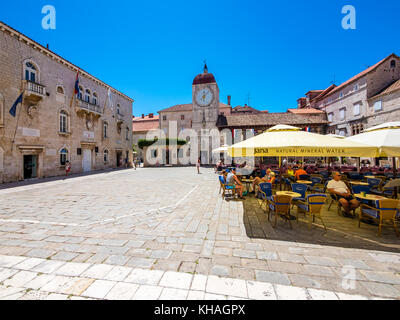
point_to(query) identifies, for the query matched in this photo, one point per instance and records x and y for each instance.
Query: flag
(77, 84)
(13, 110)
(308, 129)
(110, 102)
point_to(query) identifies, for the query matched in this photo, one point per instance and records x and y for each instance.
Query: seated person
(269, 178)
(231, 179)
(290, 173)
(299, 172)
(218, 166)
(340, 189)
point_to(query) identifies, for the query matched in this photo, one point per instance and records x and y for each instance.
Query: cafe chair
(265, 191)
(299, 188)
(280, 206)
(386, 210)
(305, 177)
(375, 184)
(313, 207)
(359, 189)
(226, 188)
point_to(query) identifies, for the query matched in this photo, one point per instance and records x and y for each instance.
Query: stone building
(207, 113)
(52, 125)
(357, 104)
(140, 127)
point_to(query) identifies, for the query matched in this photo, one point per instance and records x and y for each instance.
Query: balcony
(88, 108)
(119, 117)
(33, 92)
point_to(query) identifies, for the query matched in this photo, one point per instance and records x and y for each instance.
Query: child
(67, 168)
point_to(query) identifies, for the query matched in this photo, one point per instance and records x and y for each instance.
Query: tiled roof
(325, 92)
(245, 109)
(271, 119)
(305, 111)
(187, 107)
(146, 124)
(146, 118)
(360, 75)
(178, 108)
(391, 88)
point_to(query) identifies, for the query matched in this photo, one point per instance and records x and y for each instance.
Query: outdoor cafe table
(369, 197)
(247, 182)
(288, 193)
(358, 183)
(303, 182)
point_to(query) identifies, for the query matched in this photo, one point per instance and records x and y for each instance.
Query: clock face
(204, 97)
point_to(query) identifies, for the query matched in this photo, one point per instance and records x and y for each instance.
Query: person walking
(67, 168)
(198, 165)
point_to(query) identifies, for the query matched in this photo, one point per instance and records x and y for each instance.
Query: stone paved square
(160, 233)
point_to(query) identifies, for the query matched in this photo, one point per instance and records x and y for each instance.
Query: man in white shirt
(340, 189)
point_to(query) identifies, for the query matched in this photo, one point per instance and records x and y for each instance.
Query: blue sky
(273, 50)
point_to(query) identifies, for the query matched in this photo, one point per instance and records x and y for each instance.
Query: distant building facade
(207, 113)
(140, 127)
(367, 99)
(92, 130)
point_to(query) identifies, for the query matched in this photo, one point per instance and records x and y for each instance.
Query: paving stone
(244, 254)
(40, 253)
(6, 273)
(272, 277)
(40, 281)
(291, 293)
(199, 282)
(222, 271)
(322, 294)
(20, 279)
(118, 273)
(72, 269)
(173, 294)
(321, 261)
(188, 267)
(140, 262)
(226, 286)
(265, 255)
(122, 291)
(195, 295)
(160, 254)
(97, 271)
(99, 289)
(382, 289)
(260, 290)
(140, 276)
(48, 266)
(146, 292)
(385, 277)
(176, 280)
(28, 264)
(117, 260)
(64, 256)
(10, 261)
(345, 296)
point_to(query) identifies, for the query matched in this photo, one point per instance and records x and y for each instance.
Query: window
(356, 87)
(342, 132)
(378, 105)
(182, 117)
(127, 133)
(393, 64)
(330, 117)
(30, 72)
(342, 113)
(356, 109)
(94, 98)
(63, 156)
(341, 95)
(80, 94)
(87, 95)
(164, 118)
(105, 155)
(63, 122)
(118, 109)
(60, 90)
(105, 130)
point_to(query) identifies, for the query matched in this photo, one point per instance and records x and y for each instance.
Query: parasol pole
(395, 175)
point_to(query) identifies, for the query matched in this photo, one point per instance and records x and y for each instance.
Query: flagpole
(16, 127)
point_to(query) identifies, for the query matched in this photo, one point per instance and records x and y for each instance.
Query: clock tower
(205, 100)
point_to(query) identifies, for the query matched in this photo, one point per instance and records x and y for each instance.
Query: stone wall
(37, 124)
